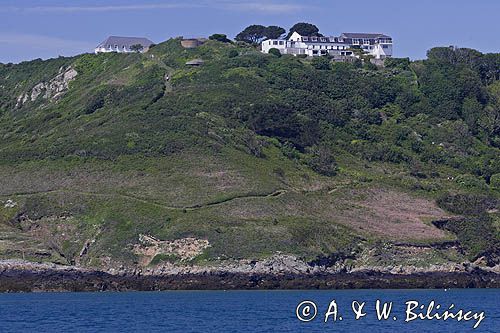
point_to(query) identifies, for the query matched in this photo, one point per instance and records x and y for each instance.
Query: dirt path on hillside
(276, 193)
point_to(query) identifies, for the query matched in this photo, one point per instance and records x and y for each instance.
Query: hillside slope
(138, 160)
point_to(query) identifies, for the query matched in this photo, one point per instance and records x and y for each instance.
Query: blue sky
(47, 28)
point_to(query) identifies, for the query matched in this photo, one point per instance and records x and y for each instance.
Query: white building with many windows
(123, 45)
(377, 45)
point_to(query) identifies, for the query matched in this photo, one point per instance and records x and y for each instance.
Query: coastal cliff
(275, 273)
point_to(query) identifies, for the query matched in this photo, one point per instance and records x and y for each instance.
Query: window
(385, 46)
(275, 43)
(281, 42)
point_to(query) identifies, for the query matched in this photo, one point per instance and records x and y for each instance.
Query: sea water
(252, 311)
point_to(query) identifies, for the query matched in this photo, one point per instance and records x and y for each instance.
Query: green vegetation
(256, 153)
(256, 33)
(275, 52)
(220, 37)
(475, 230)
(136, 48)
(304, 29)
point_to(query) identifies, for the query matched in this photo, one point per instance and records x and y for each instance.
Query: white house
(123, 44)
(378, 45)
(311, 46)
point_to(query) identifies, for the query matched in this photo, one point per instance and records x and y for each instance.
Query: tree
(255, 34)
(252, 34)
(471, 111)
(305, 29)
(490, 123)
(454, 55)
(275, 52)
(488, 67)
(136, 48)
(274, 32)
(220, 37)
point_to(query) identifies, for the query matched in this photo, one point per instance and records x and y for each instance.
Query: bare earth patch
(184, 249)
(384, 213)
(393, 215)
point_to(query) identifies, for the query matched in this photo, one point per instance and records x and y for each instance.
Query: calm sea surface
(237, 311)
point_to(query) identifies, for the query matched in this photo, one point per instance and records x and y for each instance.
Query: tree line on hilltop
(255, 33)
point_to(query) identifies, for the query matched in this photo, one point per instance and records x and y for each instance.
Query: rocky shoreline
(23, 276)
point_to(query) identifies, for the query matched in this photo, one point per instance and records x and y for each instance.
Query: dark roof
(126, 41)
(362, 35)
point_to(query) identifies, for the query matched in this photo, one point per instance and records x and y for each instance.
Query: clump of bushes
(321, 63)
(495, 181)
(477, 236)
(466, 204)
(471, 182)
(275, 52)
(322, 161)
(475, 231)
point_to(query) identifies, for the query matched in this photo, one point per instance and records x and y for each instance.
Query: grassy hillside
(254, 153)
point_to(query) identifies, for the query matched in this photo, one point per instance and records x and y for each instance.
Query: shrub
(471, 182)
(275, 52)
(466, 204)
(476, 235)
(233, 53)
(95, 103)
(322, 161)
(220, 37)
(369, 66)
(400, 63)
(321, 63)
(495, 181)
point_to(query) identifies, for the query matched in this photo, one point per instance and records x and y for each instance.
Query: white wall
(273, 44)
(295, 46)
(379, 52)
